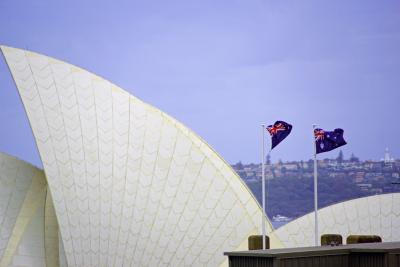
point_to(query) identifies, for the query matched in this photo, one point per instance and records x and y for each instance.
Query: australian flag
(279, 131)
(326, 141)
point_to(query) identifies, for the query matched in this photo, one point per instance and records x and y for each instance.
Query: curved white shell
(131, 185)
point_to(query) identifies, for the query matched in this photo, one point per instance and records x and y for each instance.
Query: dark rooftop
(360, 255)
(366, 247)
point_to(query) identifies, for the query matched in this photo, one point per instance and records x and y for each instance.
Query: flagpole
(315, 190)
(263, 185)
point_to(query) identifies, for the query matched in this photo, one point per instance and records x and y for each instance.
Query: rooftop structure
(355, 255)
(374, 215)
(131, 185)
(28, 225)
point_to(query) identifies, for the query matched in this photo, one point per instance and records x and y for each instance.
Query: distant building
(359, 178)
(387, 158)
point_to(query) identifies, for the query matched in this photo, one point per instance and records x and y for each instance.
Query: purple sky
(224, 67)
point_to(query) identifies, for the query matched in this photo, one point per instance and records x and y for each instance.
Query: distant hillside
(290, 184)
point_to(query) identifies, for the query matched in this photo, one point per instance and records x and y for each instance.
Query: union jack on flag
(278, 131)
(319, 134)
(274, 129)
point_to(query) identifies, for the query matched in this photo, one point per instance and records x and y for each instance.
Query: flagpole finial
(314, 125)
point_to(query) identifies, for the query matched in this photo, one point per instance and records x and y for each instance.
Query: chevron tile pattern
(25, 223)
(30, 250)
(131, 186)
(51, 240)
(15, 181)
(374, 215)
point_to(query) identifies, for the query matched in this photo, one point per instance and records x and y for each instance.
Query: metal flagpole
(263, 185)
(315, 190)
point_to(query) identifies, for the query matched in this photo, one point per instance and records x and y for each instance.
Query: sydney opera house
(125, 184)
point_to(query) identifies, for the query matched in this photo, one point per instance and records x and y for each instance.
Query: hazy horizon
(223, 68)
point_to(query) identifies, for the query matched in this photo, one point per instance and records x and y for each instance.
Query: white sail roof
(28, 226)
(131, 185)
(374, 215)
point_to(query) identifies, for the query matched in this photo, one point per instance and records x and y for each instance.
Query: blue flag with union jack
(326, 141)
(279, 131)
